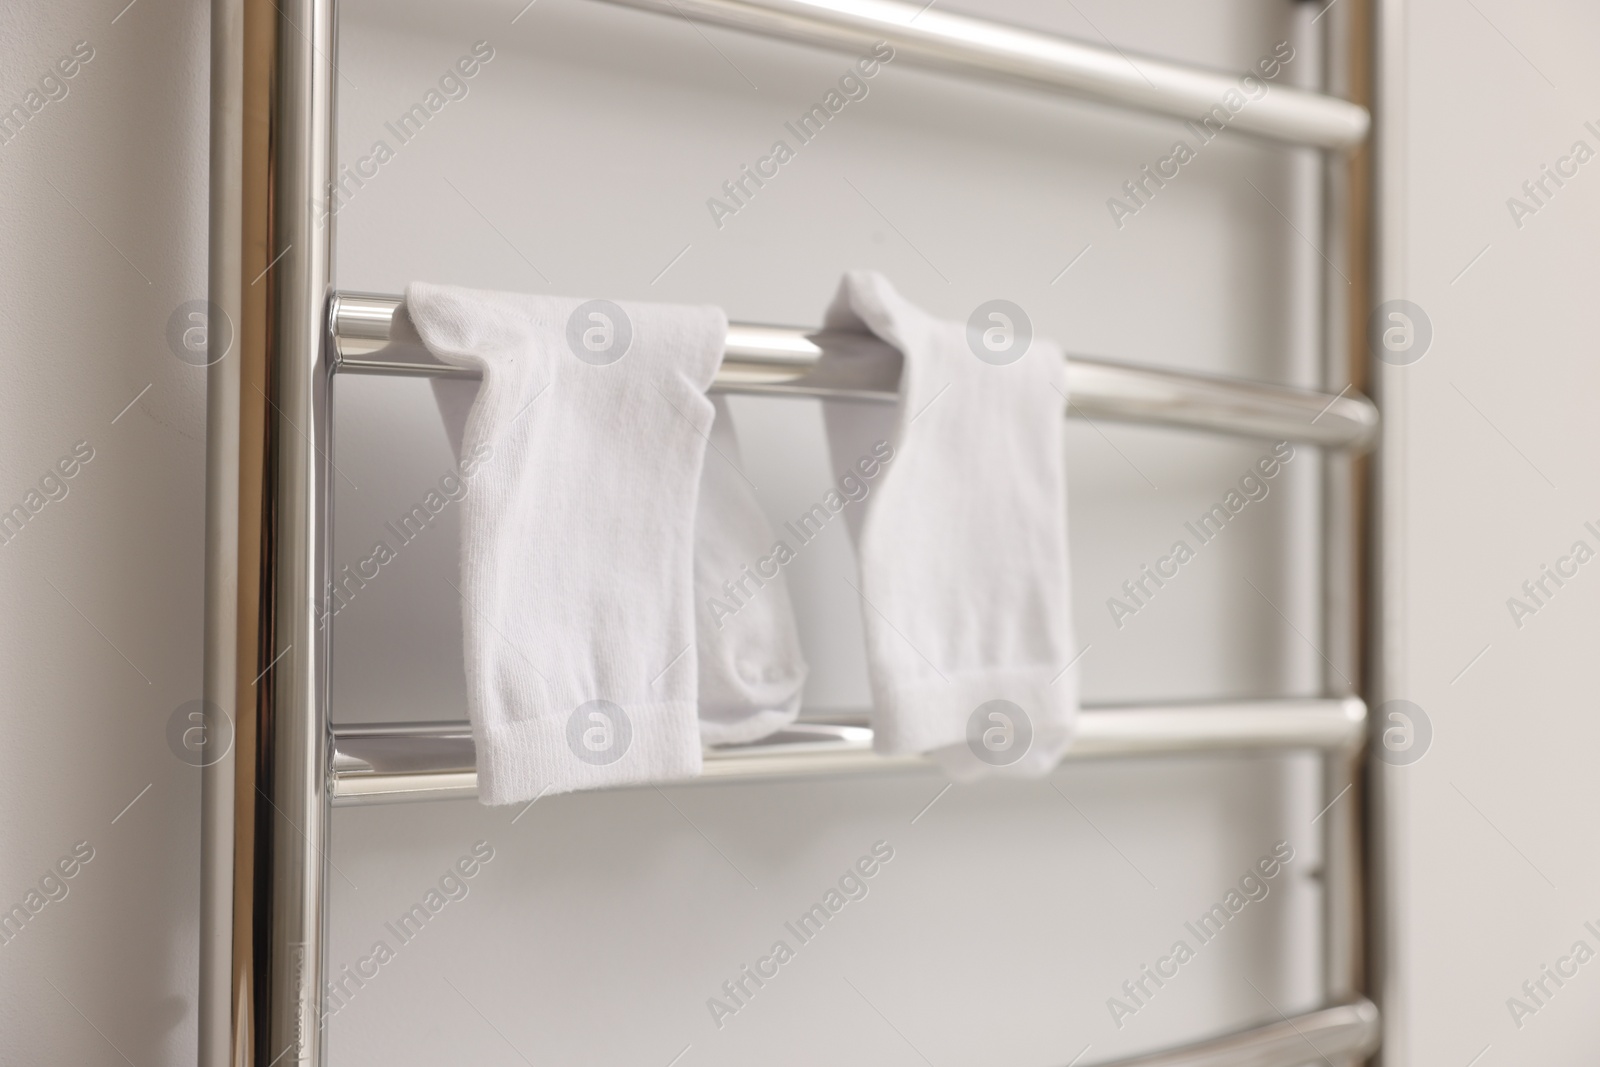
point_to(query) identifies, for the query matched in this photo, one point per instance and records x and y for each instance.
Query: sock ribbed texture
(751, 666)
(962, 547)
(577, 536)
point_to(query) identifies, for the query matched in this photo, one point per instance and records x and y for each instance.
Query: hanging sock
(587, 439)
(962, 545)
(751, 667)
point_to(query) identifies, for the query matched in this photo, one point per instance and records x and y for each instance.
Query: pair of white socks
(607, 512)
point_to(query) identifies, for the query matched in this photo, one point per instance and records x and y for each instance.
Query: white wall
(1007, 918)
(1494, 869)
(103, 197)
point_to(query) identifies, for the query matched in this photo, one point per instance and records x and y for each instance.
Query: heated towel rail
(797, 362)
(268, 798)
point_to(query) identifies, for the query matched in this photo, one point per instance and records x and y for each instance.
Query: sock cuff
(543, 756)
(923, 714)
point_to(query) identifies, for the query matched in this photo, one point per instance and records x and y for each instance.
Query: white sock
(963, 544)
(577, 532)
(751, 667)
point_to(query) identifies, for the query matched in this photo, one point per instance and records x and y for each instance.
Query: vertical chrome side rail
(266, 804)
(1347, 37)
(222, 530)
(1388, 831)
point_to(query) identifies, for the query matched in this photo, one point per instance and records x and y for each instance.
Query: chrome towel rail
(266, 815)
(793, 361)
(923, 34)
(377, 763)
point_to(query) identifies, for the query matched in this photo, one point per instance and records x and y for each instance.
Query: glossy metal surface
(219, 673)
(386, 762)
(1344, 238)
(1343, 1031)
(1390, 833)
(793, 361)
(266, 805)
(927, 36)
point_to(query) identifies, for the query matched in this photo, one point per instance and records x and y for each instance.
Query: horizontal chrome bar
(385, 762)
(798, 362)
(1341, 1033)
(929, 37)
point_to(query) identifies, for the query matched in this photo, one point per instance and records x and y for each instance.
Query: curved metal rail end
(1336, 1034)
